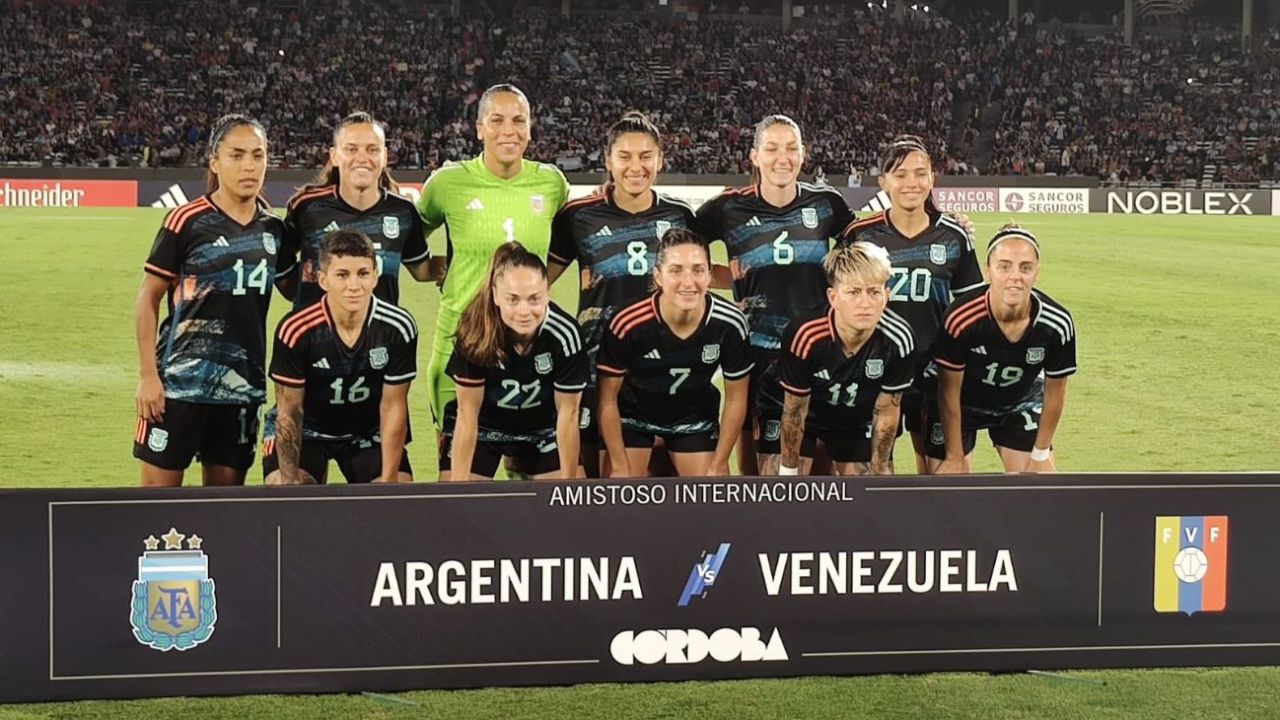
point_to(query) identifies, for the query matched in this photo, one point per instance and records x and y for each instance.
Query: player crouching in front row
(997, 344)
(520, 370)
(342, 368)
(841, 374)
(656, 365)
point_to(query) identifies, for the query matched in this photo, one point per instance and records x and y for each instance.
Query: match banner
(16, 193)
(139, 593)
(1182, 202)
(1070, 201)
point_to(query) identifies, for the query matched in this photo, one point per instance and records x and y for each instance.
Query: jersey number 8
(637, 257)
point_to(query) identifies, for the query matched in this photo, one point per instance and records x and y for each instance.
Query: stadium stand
(105, 85)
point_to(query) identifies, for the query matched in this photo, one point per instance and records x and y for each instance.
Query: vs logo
(704, 574)
(1191, 564)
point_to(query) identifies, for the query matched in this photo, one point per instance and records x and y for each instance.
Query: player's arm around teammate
(1004, 356)
(202, 372)
(520, 370)
(342, 368)
(854, 360)
(657, 364)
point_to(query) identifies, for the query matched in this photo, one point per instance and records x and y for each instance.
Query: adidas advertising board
(125, 594)
(1134, 201)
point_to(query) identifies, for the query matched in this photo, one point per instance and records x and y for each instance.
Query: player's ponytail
(217, 133)
(329, 174)
(632, 122)
(482, 336)
(758, 138)
(896, 154)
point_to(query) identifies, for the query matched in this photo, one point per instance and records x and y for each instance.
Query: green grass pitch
(1178, 339)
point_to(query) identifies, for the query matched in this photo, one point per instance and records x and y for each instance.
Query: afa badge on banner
(1191, 563)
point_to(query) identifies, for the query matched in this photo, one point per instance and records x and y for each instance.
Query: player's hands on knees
(957, 466)
(1042, 466)
(718, 469)
(150, 399)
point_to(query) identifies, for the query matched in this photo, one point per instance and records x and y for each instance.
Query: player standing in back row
(776, 232)
(1004, 356)
(933, 262)
(355, 191)
(483, 202)
(613, 235)
(204, 380)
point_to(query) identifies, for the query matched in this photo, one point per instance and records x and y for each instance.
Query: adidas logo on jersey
(322, 363)
(475, 204)
(822, 374)
(653, 355)
(753, 222)
(980, 350)
(333, 225)
(221, 242)
(605, 231)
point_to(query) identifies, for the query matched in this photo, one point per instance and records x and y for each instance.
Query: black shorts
(916, 408)
(755, 386)
(587, 423)
(360, 460)
(681, 443)
(215, 434)
(1016, 430)
(843, 446)
(534, 456)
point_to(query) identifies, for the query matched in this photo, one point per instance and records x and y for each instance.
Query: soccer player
(613, 235)
(933, 262)
(520, 370)
(841, 374)
(483, 202)
(355, 191)
(342, 368)
(776, 232)
(657, 362)
(1004, 355)
(203, 380)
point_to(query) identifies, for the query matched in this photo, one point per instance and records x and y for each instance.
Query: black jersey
(519, 394)
(344, 384)
(843, 388)
(929, 271)
(616, 253)
(212, 346)
(1002, 377)
(668, 387)
(775, 253)
(393, 224)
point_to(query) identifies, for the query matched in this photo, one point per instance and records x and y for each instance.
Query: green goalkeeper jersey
(480, 211)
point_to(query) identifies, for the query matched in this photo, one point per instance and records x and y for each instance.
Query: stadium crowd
(106, 85)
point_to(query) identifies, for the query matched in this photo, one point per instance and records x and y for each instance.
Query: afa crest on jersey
(378, 358)
(938, 254)
(710, 353)
(809, 216)
(536, 204)
(662, 227)
(772, 429)
(174, 606)
(269, 243)
(1035, 355)
(391, 227)
(875, 368)
(542, 363)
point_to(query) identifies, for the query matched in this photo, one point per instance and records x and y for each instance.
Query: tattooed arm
(794, 410)
(884, 430)
(289, 433)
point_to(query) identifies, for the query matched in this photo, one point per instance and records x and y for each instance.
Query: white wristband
(1041, 454)
(784, 470)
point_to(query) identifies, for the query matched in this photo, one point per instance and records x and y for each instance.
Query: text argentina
(506, 580)
(887, 571)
